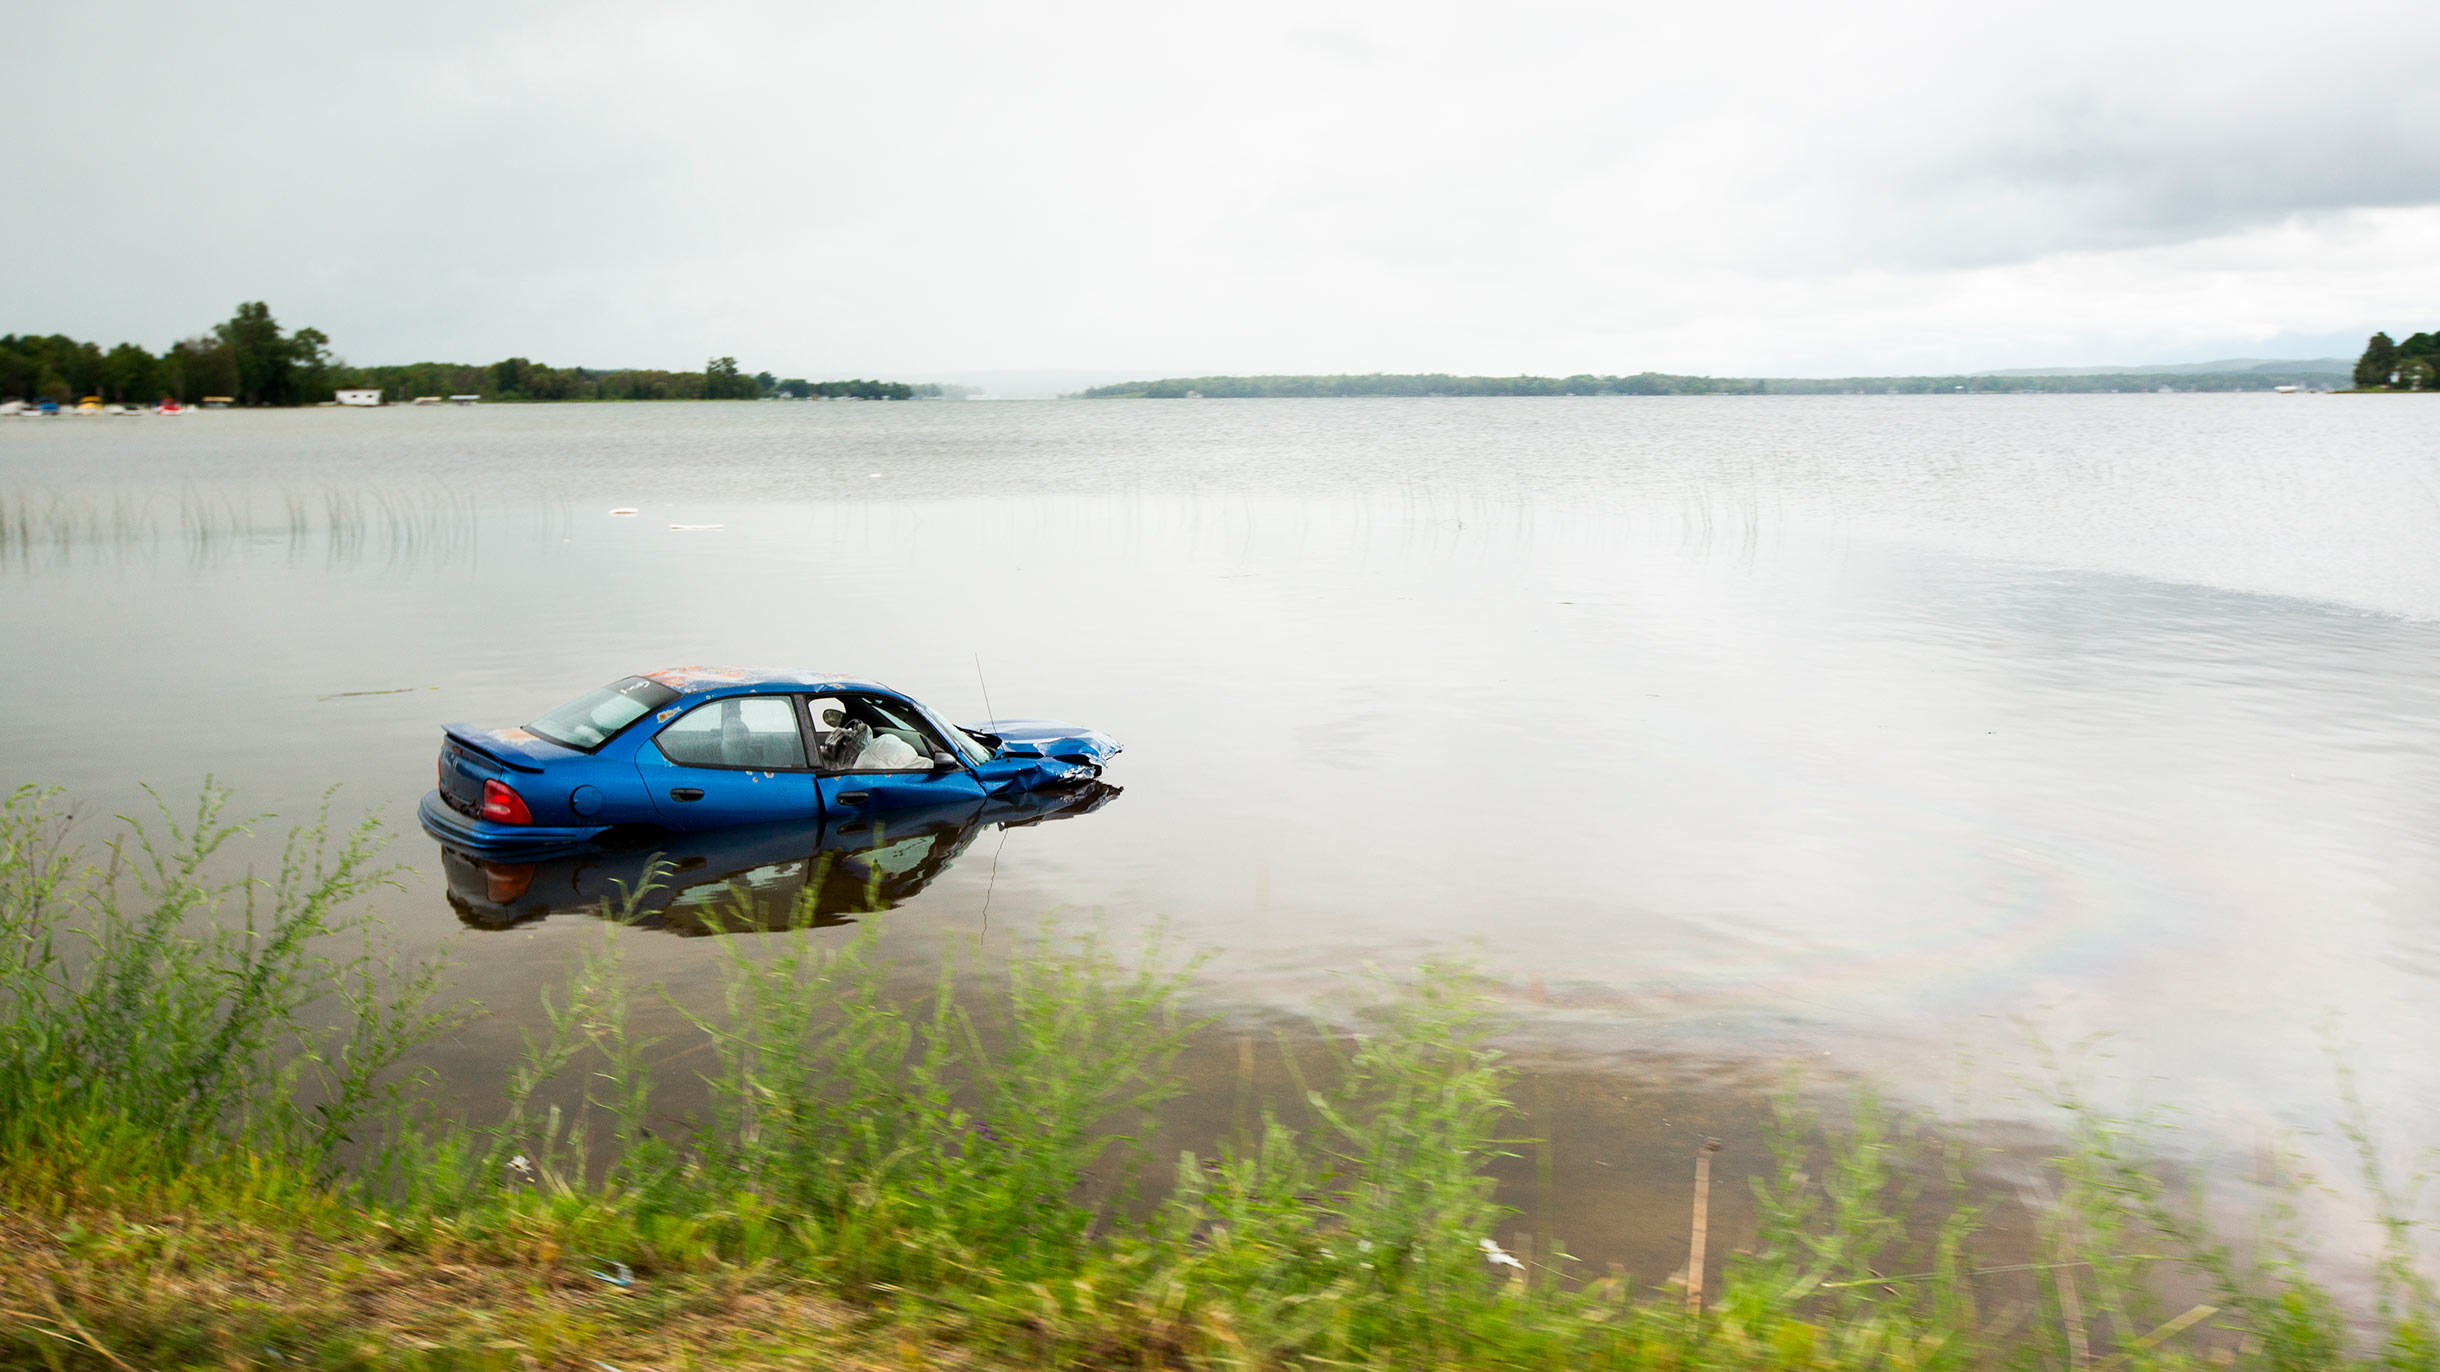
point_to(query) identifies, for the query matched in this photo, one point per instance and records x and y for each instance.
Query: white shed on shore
(359, 397)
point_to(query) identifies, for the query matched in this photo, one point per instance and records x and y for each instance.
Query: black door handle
(685, 793)
(854, 797)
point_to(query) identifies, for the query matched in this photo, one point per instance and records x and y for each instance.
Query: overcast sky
(918, 190)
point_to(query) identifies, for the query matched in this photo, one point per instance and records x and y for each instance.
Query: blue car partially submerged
(696, 748)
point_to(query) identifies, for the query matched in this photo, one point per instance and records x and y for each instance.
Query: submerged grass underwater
(215, 1151)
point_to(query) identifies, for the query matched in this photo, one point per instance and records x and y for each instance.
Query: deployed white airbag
(889, 753)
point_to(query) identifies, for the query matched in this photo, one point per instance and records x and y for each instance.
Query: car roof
(703, 680)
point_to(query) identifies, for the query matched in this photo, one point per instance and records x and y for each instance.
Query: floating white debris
(876, 476)
(624, 510)
(693, 528)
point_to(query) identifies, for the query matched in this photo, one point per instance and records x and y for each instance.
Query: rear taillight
(504, 806)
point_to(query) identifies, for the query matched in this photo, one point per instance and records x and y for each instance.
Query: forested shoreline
(251, 360)
(2387, 365)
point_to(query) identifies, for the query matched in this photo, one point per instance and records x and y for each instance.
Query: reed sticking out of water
(207, 1150)
(404, 526)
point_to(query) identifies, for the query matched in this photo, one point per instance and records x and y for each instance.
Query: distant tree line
(797, 388)
(246, 357)
(1660, 383)
(520, 379)
(2413, 365)
(253, 361)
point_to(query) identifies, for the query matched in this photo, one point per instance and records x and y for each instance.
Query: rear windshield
(594, 718)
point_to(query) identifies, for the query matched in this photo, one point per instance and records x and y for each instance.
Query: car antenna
(978, 678)
(994, 883)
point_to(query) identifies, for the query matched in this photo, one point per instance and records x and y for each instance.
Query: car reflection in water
(761, 877)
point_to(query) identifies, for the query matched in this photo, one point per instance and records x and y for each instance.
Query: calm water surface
(1874, 732)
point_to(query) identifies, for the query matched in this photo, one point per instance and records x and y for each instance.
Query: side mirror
(943, 760)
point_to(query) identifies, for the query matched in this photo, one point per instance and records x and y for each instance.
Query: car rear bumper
(481, 836)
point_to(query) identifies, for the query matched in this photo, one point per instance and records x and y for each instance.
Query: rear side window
(741, 731)
(594, 718)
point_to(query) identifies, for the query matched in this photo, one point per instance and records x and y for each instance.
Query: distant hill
(1035, 384)
(2263, 377)
(2227, 366)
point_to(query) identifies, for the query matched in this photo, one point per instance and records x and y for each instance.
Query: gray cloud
(1252, 186)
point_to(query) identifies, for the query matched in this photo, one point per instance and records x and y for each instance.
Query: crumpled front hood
(1048, 738)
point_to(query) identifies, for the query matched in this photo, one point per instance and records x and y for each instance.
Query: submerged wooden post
(1702, 1223)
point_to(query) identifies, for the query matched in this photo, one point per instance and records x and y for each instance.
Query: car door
(736, 760)
(853, 785)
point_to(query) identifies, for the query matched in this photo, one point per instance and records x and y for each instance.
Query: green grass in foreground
(208, 1159)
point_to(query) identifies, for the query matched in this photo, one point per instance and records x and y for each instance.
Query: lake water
(1876, 733)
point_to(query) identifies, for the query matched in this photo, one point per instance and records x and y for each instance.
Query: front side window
(975, 749)
(868, 734)
(594, 718)
(741, 731)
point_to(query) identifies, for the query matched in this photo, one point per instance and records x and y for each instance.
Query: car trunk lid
(515, 749)
(472, 756)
